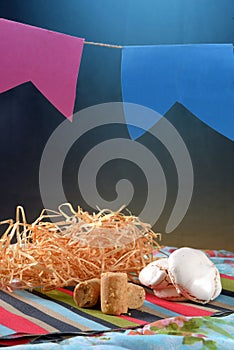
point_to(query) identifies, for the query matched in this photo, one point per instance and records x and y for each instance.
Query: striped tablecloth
(24, 313)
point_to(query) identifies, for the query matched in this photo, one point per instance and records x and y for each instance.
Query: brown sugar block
(114, 293)
(87, 294)
(136, 296)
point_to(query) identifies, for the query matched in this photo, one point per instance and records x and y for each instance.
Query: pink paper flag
(50, 60)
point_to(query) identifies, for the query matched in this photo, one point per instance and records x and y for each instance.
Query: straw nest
(60, 249)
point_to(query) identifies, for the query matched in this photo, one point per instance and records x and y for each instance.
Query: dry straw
(72, 247)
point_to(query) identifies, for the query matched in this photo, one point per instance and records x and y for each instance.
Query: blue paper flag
(199, 76)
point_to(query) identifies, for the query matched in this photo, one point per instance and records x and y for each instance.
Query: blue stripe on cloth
(160, 309)
(51, 305)
(5, 330)
(225, 299)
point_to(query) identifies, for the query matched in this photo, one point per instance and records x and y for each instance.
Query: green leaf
(105, 338)
(207, 344)
(190, 340)
(172, 327)
(154, 328)
(210, 344)
(192, 325)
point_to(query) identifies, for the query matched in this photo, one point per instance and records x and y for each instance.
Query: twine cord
(108, 45)
(104, 45)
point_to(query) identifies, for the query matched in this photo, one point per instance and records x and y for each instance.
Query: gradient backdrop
(27, 119)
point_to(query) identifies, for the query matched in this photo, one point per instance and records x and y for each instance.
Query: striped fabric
(37, 312)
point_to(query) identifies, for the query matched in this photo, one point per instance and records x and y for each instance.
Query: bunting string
(110, 45)
(105, 45)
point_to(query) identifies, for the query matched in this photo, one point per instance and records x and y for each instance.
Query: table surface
(53, 316)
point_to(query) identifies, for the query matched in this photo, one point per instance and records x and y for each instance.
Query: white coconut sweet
(169, 293)
(155, 274)
(194, 275)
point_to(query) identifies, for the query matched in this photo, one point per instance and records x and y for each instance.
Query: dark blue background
(27, 119)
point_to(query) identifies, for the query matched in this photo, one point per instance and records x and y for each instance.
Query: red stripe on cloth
(132, 319)
(19, 324)
(14, 342)
(226, 276)
(67, 291)
(186, 310)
